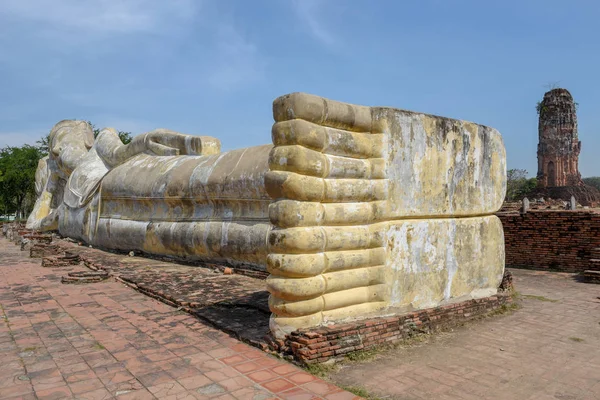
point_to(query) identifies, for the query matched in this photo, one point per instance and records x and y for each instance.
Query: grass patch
(359, 391)
(29, 349)
(539, 298)
(576, 339)
(372, 352)
(98, 346)
(504, 309)
(365, 355)
(321, 370)
(5, 317)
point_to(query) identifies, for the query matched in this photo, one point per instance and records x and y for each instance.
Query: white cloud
(307, 11)
(238, 60)
(100, 16)
(107, 54)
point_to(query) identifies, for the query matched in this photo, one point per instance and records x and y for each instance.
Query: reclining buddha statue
(354, 211)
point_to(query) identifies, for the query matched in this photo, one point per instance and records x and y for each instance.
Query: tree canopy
(517, 184)
(593, 181)
(17, 178)
(124, 136)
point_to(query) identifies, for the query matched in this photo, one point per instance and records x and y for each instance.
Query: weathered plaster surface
(200, 207)
(432, 261)
(439, 166)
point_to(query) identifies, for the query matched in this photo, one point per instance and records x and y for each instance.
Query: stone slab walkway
(235, 303)
(547, 350)
(105, 340)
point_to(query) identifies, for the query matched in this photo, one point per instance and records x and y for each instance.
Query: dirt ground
(547, 349)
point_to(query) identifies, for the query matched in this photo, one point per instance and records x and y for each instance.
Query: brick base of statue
(318, 345)
(591, 277)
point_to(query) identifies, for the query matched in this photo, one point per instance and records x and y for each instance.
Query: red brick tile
(222, 374)
(142, 394)
(80, 376)
(284, 369)
(56, 393)
(225, 397)
(98, 394)
(116, 377)
(194, 382)
(232, 360)
(236, 383)
(161, 355)
(155, 378)
(86, 386)
(166, 389)
(127, 354)
(48, 383)
(266, 361)
(72, 368)
(298, 393)
(183, 396)
(342, 396)
(209, 365)
(262, 376)
(184, 351)
(240, 347)
(300, 378)
(251, 393)
(253, 354)
(221, 353)
(42, 365)
(29, 396)
(321, 388)
(248, 367)
(16, 390)
(181, 372)
(277, 385)
(124, 387)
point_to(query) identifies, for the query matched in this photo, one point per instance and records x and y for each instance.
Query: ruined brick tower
(559, 145)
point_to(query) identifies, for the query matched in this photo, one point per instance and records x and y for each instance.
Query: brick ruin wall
(318, 345)
(551, 240)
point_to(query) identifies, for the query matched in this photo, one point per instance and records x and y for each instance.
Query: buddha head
(69, 141)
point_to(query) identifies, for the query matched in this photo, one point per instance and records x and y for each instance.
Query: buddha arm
(161, 142)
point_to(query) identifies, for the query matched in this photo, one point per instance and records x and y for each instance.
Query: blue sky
(214, 67)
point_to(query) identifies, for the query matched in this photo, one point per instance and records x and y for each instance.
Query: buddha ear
(88, 137)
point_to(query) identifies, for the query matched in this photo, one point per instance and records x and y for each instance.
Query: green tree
(4, 206)
(593, 181)
(44, 145)
(17, 171)
(124, 136)
(517, 184)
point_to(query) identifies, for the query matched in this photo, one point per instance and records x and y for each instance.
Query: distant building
(559, 145)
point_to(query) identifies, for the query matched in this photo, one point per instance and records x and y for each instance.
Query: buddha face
(69, 141)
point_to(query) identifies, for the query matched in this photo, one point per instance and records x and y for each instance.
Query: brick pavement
(105, 340)
(549, 349)
(235, 303)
